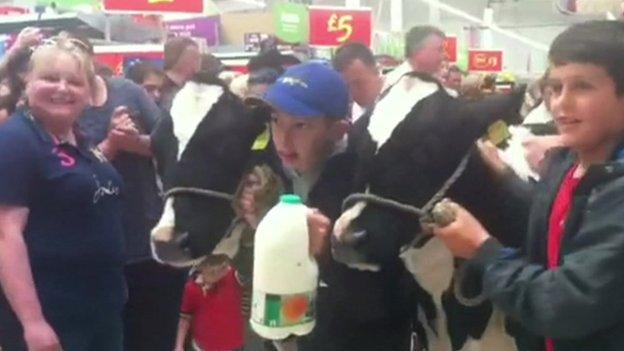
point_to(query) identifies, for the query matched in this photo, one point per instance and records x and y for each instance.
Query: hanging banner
(450, 46)
(13, 10)
(205, 28)
(485, 60)
(154, 6)
(292, 24)
(334, 26)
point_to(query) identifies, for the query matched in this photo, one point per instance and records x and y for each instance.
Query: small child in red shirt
(211, 308)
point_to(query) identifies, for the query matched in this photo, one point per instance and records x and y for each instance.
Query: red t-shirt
(217, 322)
(556, 225)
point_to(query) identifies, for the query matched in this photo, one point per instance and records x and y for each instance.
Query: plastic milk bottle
(285, 275)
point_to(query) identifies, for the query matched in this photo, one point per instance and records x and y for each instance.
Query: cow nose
(354, 237)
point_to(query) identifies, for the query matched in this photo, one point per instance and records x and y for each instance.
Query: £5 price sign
(334, 26)
(485, 60)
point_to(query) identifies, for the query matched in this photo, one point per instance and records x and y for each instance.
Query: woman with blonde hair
(61, 260)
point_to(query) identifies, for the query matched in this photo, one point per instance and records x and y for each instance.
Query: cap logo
(292, 81)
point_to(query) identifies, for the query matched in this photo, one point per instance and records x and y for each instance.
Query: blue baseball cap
(310, 89)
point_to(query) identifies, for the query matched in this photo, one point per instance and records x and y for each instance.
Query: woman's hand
(465, 235)
(28, 37)
(39, 336)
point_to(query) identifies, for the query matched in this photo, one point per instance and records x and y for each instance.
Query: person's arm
(27, 38)
(120, 132)
(577, 299)
(148, 115)
(18, 182)
(190, 299)
(139, 144)
(17, 281)
(183, 327)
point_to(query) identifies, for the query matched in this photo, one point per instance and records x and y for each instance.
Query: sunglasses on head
(66, 43)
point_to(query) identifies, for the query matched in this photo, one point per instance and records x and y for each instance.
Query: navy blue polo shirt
(74, 230)
(142, 204)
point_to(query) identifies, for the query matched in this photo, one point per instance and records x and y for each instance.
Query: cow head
(213, 134)
(408, 147)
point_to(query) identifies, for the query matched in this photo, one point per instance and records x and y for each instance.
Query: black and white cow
(408, 146)
(205, 144)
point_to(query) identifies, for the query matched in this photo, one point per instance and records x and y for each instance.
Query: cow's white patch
(343, 223)
(515, 154)
(163, 231)
(342, 226)
(432, 266)
(189, 107)
(395, 106)
(495, 336)
(230, 243)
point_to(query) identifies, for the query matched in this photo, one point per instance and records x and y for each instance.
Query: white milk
(285, 276)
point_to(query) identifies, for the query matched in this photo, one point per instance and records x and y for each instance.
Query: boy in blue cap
(356, 310)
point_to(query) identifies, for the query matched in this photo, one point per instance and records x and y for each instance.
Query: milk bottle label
(277, 311)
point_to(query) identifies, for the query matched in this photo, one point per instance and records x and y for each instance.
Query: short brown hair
(174, 47)
(348, 53)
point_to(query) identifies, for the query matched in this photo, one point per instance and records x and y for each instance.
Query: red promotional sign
(450, 46)
(485, 60)
(116, 61)
(159, 6)
(13, 10)
(334, 26)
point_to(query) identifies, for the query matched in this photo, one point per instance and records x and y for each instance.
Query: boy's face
(213, 273)
(303, 144)
(587, 111)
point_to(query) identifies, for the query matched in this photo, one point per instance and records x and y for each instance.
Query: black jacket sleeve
(583, 295)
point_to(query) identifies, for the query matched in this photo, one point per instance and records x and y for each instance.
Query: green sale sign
(292, 22)
(68, 4)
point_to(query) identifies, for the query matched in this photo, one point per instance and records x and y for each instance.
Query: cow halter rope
(201, 192)
(426, 215)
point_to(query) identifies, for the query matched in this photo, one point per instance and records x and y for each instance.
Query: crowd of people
(81, 190)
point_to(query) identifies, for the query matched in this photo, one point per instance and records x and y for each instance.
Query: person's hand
(39, 336)
(122, 130)
(179, 348)
(28, 37)
(319, 228)
(535, 148)
(247, 202)
(465, 235)
(489, 154)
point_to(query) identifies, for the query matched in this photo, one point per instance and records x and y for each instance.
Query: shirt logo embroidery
(67, 161)
(104, 190)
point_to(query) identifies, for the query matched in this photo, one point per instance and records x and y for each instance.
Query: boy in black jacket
(565, 290)
(355, 310)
